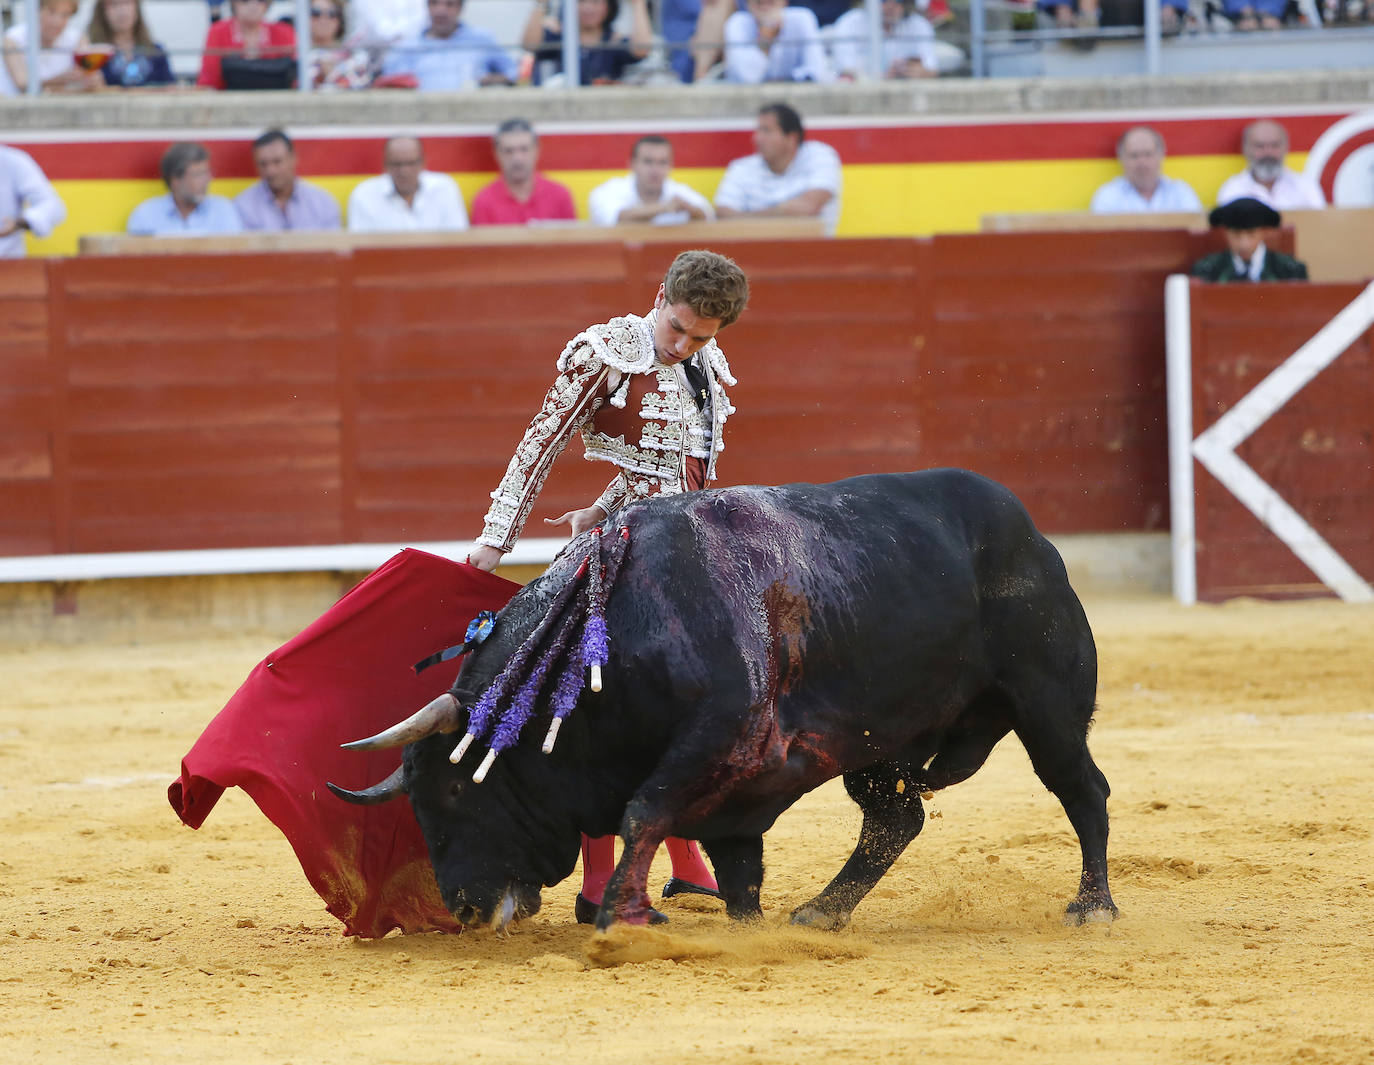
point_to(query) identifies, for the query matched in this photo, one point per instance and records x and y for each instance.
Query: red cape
(348, 675)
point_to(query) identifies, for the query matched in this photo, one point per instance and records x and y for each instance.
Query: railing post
(874, 8)
(35, 83)
(1152, 58)
(977, 30)
(572, 45)
(303, 46)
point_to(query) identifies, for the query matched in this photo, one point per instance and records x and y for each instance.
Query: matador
(648, 395)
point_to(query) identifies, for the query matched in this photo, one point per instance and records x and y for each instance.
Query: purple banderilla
(560, 656)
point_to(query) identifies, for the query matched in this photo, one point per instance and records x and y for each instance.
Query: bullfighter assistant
(647, 395)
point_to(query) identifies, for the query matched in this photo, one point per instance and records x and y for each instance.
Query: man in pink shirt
(520, 195)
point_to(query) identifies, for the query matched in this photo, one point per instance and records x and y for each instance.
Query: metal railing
(980, 41)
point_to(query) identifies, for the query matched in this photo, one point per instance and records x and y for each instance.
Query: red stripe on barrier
(933, 143)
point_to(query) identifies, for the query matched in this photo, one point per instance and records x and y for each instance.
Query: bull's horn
(462, 748)
(596, 676)
(552, 737)
(441, 715)
(389, 788)
(481, 773)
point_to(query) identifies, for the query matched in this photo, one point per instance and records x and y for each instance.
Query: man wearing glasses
(451, 54)
(407, 197)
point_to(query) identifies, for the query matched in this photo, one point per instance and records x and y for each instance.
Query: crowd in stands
(429, 45)
(1082, 17)
(788, 176)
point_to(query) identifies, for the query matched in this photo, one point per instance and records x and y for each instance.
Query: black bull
(890, 629)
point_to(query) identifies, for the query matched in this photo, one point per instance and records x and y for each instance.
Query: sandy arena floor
(1238, 740)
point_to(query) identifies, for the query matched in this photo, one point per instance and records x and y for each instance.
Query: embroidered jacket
(632, 410)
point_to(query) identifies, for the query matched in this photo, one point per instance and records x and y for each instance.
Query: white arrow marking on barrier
(1216, 448)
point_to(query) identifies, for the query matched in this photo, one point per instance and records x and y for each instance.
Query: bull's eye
(454, 790)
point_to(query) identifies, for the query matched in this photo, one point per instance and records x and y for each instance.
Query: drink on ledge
(93, 56)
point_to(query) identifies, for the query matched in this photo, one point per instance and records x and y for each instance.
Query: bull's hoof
(812, 916)
(585, 910)
(1081, 912)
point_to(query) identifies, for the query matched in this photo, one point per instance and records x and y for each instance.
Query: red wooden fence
(274, 399)
(1316, 451)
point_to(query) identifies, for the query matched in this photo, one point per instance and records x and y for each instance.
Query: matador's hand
(580, 520)
(484, 557)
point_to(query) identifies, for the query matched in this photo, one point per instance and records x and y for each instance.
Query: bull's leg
(1062, 762)
(889, 796)
(626, 897)
(739, 872)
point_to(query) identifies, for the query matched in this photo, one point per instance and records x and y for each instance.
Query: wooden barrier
(1041, 221)
(1335, 243)
(690, 234)
(375, 395)
(26, 408)
(1316, 450)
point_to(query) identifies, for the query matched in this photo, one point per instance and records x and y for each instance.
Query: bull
(889, 629)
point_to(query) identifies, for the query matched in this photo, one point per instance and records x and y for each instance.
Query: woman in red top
(244, 34)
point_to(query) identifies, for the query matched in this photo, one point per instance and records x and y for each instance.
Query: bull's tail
(569, 642)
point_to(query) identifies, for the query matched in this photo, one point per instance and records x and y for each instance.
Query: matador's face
(679, 332)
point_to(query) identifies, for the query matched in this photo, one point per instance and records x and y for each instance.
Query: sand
(1238, 741)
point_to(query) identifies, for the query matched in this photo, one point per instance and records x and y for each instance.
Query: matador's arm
(567, 407)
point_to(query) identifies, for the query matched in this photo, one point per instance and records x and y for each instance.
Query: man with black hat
(1247, 258)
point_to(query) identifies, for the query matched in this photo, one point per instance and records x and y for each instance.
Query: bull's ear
(388, 789)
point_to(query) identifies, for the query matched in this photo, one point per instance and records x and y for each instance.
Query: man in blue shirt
(187, 209)
(451, 54)
(281, 200)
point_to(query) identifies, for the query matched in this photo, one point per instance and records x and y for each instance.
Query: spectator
(136, 60)
(187, 209)
(770, 41)
(1265, 144)
(678, 21)
(789, 176)
(603, 56)
(1247, 259)
(58, 39)
(647, 193)
(908, 42)
(334, 64)
(1072, 15)
(450, 53)
(407, 197)
(1087, 15)
(1142, 187)
(1255, 14)
(246, 34)
(382, 23)
(27, 201)
(281, 200)
(520, 195)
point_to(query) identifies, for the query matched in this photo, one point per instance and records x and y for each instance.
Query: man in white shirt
(27, 202)
(770, 41)
(1265, 178)
(647, 193)
(789, 176)
(1142, 187)
(407, 197)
